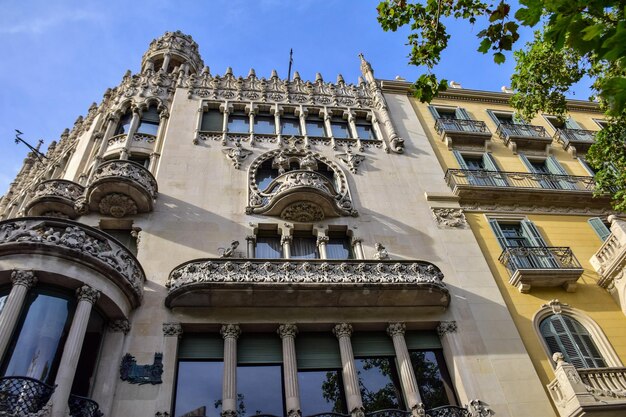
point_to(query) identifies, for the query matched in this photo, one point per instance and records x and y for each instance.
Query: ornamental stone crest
(449, 218)
(117, 205)
(303, 211)
(555, 305)
(236, 154)
(352, 160)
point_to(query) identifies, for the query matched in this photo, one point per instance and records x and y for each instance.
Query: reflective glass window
(199, 388)
(315, 127)
(212, 121)
(124, 124)
(365, 130)
(264, 124)
(321, 391)
(379, 383)
(260, 389)
(149, 123)
(340, 128)
(238, 123)
(290, 126)
(432, 378)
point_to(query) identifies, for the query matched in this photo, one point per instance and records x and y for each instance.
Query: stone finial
(340, 79)
(229, 71)
(274, 74)
(230, 331)
(27, 279)
(206, 71)
(396, 329)
(287, 330)
(172, 329)
(318, 77)
(342, 330)
(252, 73)
(86, 293)
(296, 76)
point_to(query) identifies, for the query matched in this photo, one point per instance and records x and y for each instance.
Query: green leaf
(499, 58)
(485, 44)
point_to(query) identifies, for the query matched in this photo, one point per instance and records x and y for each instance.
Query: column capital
(250, 238)
(322, 239)
(287, 330)
(172, 329)
(446, 327)
(24, 278)
(230, 331)
(395, 329)
(342, 330)
(356, 241)
(121, 325)
(286, 239)
(86, 293)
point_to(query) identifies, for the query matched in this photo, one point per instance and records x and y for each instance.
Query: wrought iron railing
(443, 411)
(461, 125)
(20, 395)
(448, 411)
(539, 257)
(527, 180)
(388, 413)
(83, 407)
(510, 130)
(575, 135)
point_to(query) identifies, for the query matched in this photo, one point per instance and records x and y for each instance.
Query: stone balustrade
(55, 198)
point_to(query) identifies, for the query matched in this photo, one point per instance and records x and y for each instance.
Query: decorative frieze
(449, 218)
(446, 327)
(172, 330)
(119, 326)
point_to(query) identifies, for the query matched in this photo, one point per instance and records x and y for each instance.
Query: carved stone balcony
(141, 142)
(301, 195)
(120, 188)
(55, 198)
(233, 283)
(541, 267)
(489, 187)
(521, 136)
(599, 392)
(610, 262)
(77, 243)
(463, 132)
(575, 140)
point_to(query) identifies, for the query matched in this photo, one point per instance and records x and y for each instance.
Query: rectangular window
(505, 117)
(149, 123)
(212, 121)
(478, 163)
(238, 122)
(523, 234)
(340, 128)
(290, 125)
(449, 113)
(143, 160)
(124, 125)
(268, 245)
(315, 126)
(338, 246)
(126, 237)
(264, 124)
(602, 229)
(547, 167)
(364, 129)
(303, 246)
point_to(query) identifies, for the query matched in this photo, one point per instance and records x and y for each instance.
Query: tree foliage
(574, 38)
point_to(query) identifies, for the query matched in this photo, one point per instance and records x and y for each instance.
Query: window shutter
(556, 168)
(566, 335)
(460, 160)
(259, 348)
(201, 346)
(317, 351)
(461, 113)
(585, 165)
(422, 340)
(368, 344)
(571, 123)
(490, 165)
(434, 112)
(526, 163)
(598, 226)
(493, 117)
(498, 232)
(532, 233)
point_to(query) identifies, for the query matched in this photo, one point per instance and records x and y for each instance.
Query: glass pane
(338, 248)
(149, 128)
(303, 248)
(264, 177)
(88, 355)
(260, 390)
(124, 125)
(429, 379)
(379, 384)
(264, 125)
(268, 247)
(3, 300)
(321, 392)
(290, 126)
(199, 389)
(315, 128)
(212, 121)
(340, 129)
(365, 131)
(37, 350)
(239, 124)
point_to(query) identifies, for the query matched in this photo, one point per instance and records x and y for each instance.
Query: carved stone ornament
(119, 326)
(86, 293)
(450, 218)
(381, 252)
(342, 330)
(27, 279)
(303, 211)
(161, 414)
(230, 331)
(141, 374)
(446, 327)
(237, 154)
(287, 330)
(555, 305)
(172, 330)
(79, 241)
(396, 329)
(126, 170)
(294, 413)
(479, 408)
(117, 205)
(230, 251)
(352, 160)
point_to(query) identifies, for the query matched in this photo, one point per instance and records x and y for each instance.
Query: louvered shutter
(460, 160)
(434, 112)
(598, 226)
(490, 165)
(566, 335)
(317, 351)
(201, 346)
(493, 117)
(527, 163)
(371, 344)
(462, 114)
(498, 232)
(540, 258)
(556, 168)
(571, 123)
(259, 349)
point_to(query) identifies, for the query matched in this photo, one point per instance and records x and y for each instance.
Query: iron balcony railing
(461, 125)
(508, 131)
(575, 135)
(444, 411)
(83, 407)
(20, 395)
(539, 257)
(526, 180)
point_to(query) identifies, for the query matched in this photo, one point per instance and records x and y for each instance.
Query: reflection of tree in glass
(429, 379)
(241, 407)
(332, 393)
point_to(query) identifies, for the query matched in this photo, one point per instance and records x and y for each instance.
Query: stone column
(301, 112)
(285, 241)
(172, 332)
(166, 61)
(230, 333)
(23, 281)
(108, 133)
(251, 113)
(405, 368)
(287, 333)
(158, 143)
(343, 332)
(225, 108)
(357, 247)
(251, 246)
(87, 297)
(134, 124)
(329, 128)
(277, 128)
(106, 374)
(322, 241)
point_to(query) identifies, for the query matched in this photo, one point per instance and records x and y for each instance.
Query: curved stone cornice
(375, 283)
(55, 196)
(75, 242)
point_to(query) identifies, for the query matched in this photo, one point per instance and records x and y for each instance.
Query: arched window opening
(124, 125)
(566, 335)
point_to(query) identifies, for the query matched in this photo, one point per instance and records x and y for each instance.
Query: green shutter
(556, 168)
(460, 160)
(368, 344)
(498, 232)
(259, 348)
(493, 117)
(201, 346)
(571, 123)
(317, 351)
(434, 112)
(462, 114)
(532, 233)
(599, 227)
(585, 165)
(526, 163)
(490, 165)
(422, 340)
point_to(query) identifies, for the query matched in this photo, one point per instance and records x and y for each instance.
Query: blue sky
(60, 56)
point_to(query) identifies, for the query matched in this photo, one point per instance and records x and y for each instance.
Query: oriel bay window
(149, 123)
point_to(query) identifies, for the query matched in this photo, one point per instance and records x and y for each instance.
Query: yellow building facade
(526, 192)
